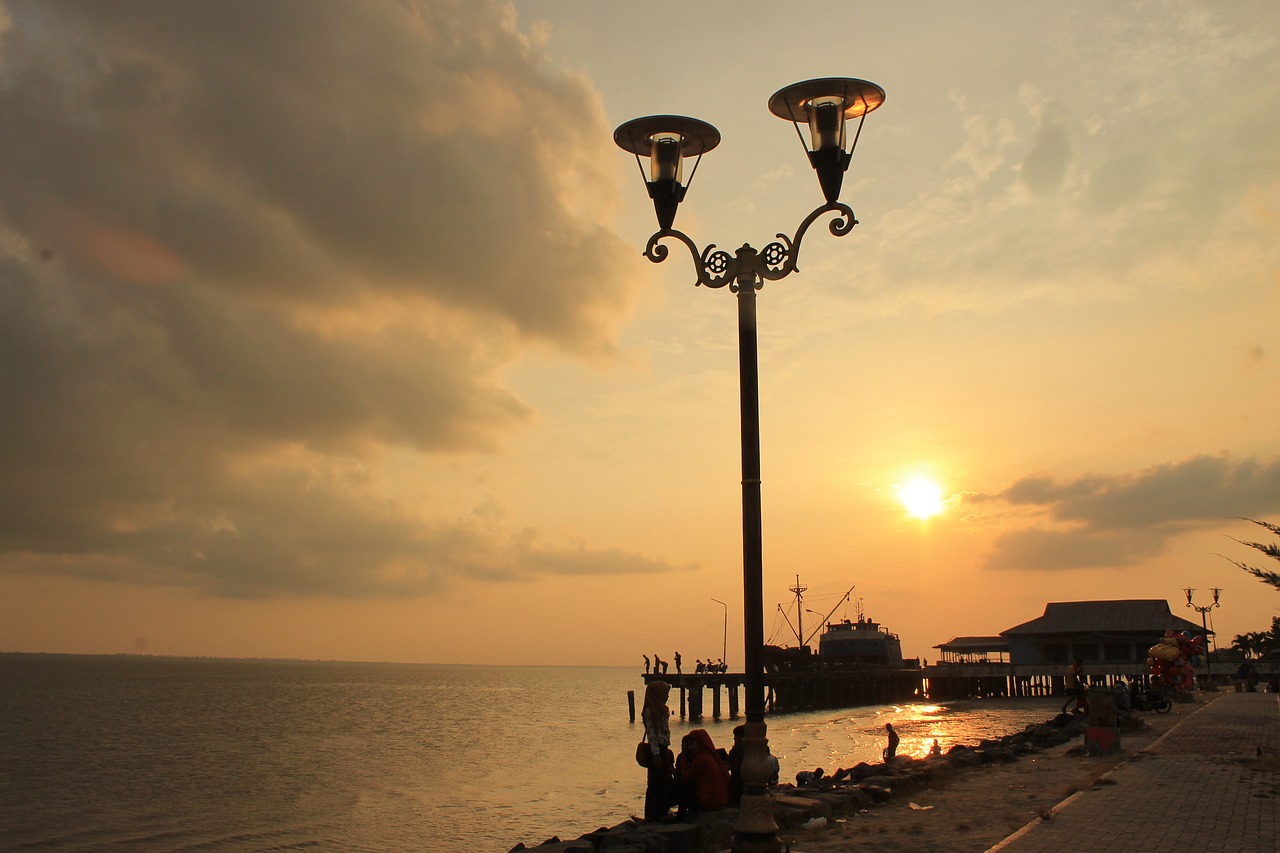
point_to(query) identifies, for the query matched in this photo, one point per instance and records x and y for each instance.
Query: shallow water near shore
(158, 754)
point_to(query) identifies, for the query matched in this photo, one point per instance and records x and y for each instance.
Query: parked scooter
(1149, 699)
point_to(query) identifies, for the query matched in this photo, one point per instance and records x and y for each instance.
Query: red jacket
(706, 773)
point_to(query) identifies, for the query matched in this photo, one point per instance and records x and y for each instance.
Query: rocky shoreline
(852, 790)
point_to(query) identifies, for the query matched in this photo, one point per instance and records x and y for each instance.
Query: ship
(858, 662)
(844, 644)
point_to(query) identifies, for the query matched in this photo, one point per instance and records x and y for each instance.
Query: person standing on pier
(677, 659)
(646, 664)
(656, 717)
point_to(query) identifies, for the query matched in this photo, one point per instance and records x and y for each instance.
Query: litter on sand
(919, 807)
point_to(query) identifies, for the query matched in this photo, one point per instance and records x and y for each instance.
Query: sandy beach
(971, 810)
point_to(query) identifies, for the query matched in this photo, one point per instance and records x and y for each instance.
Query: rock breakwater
(822, 796)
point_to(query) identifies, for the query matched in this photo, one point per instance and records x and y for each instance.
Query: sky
(326, 333)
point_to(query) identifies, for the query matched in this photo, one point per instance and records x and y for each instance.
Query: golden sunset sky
(326, 331)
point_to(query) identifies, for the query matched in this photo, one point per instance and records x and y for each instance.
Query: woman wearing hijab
(656, 717)
(702, 780)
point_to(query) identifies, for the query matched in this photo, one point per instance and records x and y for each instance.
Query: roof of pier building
(974, 644)
(1133, 616)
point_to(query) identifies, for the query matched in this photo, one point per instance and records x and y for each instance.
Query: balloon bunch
(1174, 658)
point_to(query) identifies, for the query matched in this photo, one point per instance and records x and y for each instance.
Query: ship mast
(798, 589)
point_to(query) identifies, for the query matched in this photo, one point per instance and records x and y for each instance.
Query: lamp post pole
(1204, 624)
(724, 642)
(824, 105)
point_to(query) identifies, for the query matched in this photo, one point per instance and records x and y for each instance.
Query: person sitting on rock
(808, 778)
(702, 782)
(735, 766)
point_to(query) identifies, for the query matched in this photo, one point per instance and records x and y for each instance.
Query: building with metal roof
(974, 650)
(1103, 632)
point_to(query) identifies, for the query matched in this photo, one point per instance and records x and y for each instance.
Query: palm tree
(1272, 550)
(1251, 644)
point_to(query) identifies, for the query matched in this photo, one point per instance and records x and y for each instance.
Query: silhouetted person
(656, 717)
(677, 663)
(702, 782)
(892, 749)
(805, 778)
(1075, 686)
(646, 664)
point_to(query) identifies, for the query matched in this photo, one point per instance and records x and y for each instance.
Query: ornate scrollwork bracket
(717, 268)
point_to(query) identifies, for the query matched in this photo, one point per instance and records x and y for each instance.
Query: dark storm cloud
(1110, 521)
(246, 249)
(308, 150)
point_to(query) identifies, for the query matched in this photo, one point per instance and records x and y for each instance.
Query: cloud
(1082, 178)
(1113, 520)
(1045, 166)
(249, 250)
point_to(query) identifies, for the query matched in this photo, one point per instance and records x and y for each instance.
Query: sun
(922, 497)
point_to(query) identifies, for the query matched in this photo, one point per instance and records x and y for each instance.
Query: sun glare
(922, 498)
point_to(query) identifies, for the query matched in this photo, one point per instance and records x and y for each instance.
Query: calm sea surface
(155, 754)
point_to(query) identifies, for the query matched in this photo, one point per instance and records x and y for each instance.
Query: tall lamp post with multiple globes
(1203, 610)
(827, 106)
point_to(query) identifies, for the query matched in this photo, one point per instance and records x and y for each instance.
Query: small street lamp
(826, 106)
(1208, 661)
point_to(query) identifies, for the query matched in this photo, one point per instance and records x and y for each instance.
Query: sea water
(159, 754)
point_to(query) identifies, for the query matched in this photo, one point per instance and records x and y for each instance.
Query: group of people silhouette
(659, 666)
(702, 778)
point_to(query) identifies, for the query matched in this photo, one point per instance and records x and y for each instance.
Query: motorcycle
(1149, 699)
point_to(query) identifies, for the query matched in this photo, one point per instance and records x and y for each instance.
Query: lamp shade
(805, 102)
(825, 105)
(666, 141)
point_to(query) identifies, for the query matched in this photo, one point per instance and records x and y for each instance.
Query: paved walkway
(1199, 787)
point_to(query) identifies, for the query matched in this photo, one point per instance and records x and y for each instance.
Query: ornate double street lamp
(1208, 661)
(826, 106)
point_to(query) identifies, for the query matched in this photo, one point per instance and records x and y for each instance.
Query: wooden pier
(1006, 680)
(788, 692)
(792, 691)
